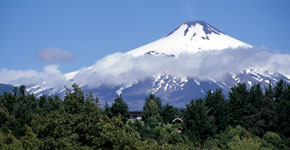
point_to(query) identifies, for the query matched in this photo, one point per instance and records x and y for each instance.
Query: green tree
(237, 104)
(268, 111)
(157, 100)
(269, 92)
(29, 141)
(24, 112)
(168, 113)
(114, 134)
(83, 126)
(22, 90)
(256, 96)
(199, 125)
(8, 100)
(274, 141)
(73, 101)
(252, 119)
(245, 144)
(175, 138)
(4, 116)
(151, 112)
(278, 90)
(152, 108)
(283, 112)
(107, 110)
(218, 108)
(9, 142)
(120, 107)
(75, 125)
(164, 135)
(230, 133)
(15, 90)
(54, 103)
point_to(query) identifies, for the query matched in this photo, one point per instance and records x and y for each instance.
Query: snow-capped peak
(208, 29)
(190, 37)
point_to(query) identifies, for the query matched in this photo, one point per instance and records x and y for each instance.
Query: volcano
(189, 38)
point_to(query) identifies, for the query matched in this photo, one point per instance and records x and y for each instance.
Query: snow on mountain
(264, 77)
(190, 37)
(71, 75)
(179, 91)
(167, 83)
(173, 90)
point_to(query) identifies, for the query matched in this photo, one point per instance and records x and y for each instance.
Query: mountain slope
(5, 88)
(190, 37)
(180, 91)
(173, 90)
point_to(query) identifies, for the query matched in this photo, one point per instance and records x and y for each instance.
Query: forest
(254, 118)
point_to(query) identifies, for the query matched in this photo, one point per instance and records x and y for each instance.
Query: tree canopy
(254, 118)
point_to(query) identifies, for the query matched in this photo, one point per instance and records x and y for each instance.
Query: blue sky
(82, 32)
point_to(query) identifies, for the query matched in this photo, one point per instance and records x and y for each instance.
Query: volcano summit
(201, 58)
(190, 37)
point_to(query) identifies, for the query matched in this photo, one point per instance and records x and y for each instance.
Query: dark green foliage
(15, 90)
(269, 92)
(74, 101)
(278, 90)
(252, 109)
(108, 112)
(168, 113)
(256, 96)
(24, 112)
(157, 100)
(253, 118)
(152, 109)
(22, 90)
(199, 125)
(84, 126)
(48, 104)
(274, 141)
(283, 111)
(229, 133)
(120, 107)
(259, 119)
(8, 101)
(238, 102)
(9, 142)
(4, 116)
(218, 108)
(29, 140)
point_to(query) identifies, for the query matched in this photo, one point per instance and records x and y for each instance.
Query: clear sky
(80, 32)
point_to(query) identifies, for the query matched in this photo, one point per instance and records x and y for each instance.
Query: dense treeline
(255, 118)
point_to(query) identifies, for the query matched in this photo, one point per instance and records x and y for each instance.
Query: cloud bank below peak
(124, 69)
(51, 76)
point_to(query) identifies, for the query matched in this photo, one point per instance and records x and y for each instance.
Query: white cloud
(52, 69)
(55, 55)
(121, 68)
(124, 69)
(50, 77)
